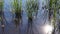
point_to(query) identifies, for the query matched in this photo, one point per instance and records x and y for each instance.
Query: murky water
(10, 28)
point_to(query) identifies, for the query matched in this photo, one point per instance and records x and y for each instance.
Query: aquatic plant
(2, 15)
(32, 6)
(17, 6)
(1, 11)
(53, 6)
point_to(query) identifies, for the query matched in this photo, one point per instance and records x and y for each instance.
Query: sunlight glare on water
(48, 29)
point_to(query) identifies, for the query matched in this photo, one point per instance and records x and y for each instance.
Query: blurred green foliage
(1, 9)
(32, 6)
(17, 6)
(17, 9)
(1, 5)
(55, 4)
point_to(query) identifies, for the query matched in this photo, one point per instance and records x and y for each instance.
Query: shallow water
(10, 28)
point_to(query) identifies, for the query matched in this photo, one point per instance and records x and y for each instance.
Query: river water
(10, 28)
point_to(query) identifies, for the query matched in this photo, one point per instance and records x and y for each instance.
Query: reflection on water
(9, 25)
